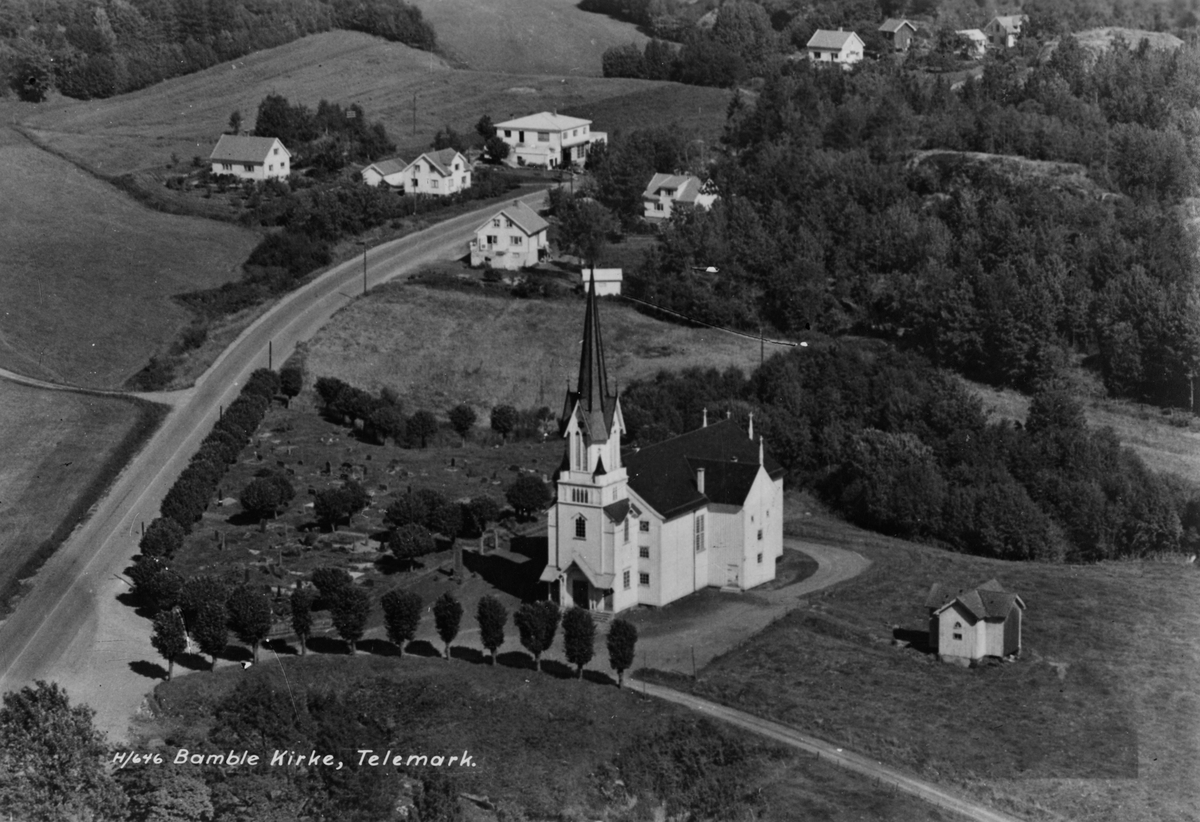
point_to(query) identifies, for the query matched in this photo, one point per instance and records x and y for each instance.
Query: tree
(584, 228)
(401, 616)
(537, 623)
(33, 77)
(579, 638)
(169, 638)
(387, 422)
(462, 419)
(199, 591)
(302, 620)
(504, 420)
(350, 610)
(52, 759)
(622, 642)
(491, 616)
(409, 543)
(250, 616)
(447, 137)
(421, 426)
(331, 581)
(335, 505)
(161, 591)
(262, 498)
(211, 630)
(485, 128)
(291, 382)
(447, 615)
(162, 539)
(527, 495)
(495, 150)
(235, 122)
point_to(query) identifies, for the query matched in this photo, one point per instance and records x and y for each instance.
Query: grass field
(543, 743)
(87, 274)
(439, 348)
(1149, 431)
(1098, 720)
(184, 116)
(61, 450)
(525, 36)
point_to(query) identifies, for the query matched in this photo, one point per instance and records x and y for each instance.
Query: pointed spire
(751, 425)
(593, 378)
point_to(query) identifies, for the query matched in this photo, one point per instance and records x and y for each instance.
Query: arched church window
(580, 528)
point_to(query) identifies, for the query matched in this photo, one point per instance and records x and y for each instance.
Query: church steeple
(595, 402)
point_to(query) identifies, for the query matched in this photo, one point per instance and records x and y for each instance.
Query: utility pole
(414, 114)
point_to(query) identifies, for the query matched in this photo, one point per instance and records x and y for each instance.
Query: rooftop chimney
(700, 480)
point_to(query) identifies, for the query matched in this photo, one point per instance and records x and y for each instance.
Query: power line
(758, 337)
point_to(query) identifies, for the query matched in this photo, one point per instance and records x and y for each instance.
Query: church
(650, 525)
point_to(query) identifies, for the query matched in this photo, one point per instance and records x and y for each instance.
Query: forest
(1031, 220)
(98, 48)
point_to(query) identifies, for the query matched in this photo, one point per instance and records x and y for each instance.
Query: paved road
(70, 627)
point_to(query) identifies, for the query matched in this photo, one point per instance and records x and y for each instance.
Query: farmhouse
(977, 39)
(607, 280)
(512, 238)
(250, 158)
(549, 139)
(654, 524)
(665, 190)
(389, 172)
(899, 33)
(1003, 31)
(439, 173)
(966, 625)
(842, 47)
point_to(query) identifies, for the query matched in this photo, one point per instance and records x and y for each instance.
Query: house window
(456, 166)
(580, 528)
(464, 180)
(248, 167)
(627, 529)
(274, 151)
(271, 167)
(658, 206)
(496, 223)
(643, 579)
(508, 223)
(625, 580)
(521, 136)
(644, 527)
(226, 166)
(644, 552)
(579, 495)
(698, 539)
(760, 533)
(433, 183)
(415, 183)
(760, 558)
(491, 239)
(543, 137)
(514, 240)
(958, 630)
(507, 132)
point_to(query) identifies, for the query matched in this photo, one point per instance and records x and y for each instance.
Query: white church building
(651, 525)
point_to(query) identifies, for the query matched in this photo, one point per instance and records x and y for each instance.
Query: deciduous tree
(401, 616)
(504, 420)
(350, 610)
(447, 616)
(462, 419)
(249, 615)
(421, 426)
(162, 539)
(537, 623)
(527, 495)
(579, 638)
(211, 630)
(169, 638)
(622, 643)
(302, 620)
(492, 617)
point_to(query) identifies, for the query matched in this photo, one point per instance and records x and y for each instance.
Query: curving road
(69, 626)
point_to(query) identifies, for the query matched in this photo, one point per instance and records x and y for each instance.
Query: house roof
(664, 474)
(1008, 22)
(544, 121)
(893, 25)
(826, 39)
(388, 167)
(599, 580)
(972, 34)
(236, 148)
(524, 217)
(988, 600)
(687, 186)
(441, 161)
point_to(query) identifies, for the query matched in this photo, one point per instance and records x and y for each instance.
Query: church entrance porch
(579, 592)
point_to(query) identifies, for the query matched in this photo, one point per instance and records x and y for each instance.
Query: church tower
(589, 521)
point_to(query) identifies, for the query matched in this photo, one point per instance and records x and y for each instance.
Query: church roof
(593, 403)
(664, 474)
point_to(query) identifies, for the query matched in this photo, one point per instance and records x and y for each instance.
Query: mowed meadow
(87, 274)
(61, 450)
(439, 348)
(140, 132)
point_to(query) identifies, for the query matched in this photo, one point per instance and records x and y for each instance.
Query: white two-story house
(251, 158)
(388, 172)
(843, 48)
(438, 173)
(514, 237)
(549, 140)
(667, 190)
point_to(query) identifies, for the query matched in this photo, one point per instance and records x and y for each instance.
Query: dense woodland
(98, 48)
(872, 201)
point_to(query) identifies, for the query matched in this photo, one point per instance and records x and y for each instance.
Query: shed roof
(894, 25)
(237, 148)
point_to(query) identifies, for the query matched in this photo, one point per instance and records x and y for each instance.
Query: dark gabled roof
(664, 474)
(987, 600)
(237, 148)
(386, 167)
(617, 511)
(893, 25)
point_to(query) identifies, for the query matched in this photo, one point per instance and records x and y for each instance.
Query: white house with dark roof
(251, 158)
(438, 173)
(898, 32)
(388, 172)
(651, 525)
(667, 190)
(844, 48)
(978, 41)
(512, 238)
(549, 139)
(968, 624)
(1003, 31)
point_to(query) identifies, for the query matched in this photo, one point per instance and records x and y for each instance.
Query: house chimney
(728, 413)
(751, 425)
(704, 424)
(700, 480)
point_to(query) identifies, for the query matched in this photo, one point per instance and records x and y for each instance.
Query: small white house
(439, 173)
(1004, 31)
(514, 237)
(978, 40)
(549, 140)
(250, 158)
(966, 625)
(844, 48)
(667, 190)
(388, 172)
(608, 280)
